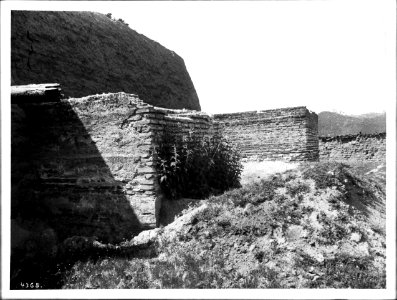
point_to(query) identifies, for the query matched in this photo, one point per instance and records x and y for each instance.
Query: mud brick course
(90, 161)
(357, 147)
(87, 166)
(289, 134)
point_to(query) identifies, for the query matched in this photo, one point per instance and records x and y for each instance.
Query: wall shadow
(366, 198)
(63, 195)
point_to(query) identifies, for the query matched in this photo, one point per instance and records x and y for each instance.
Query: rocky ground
(318, 225)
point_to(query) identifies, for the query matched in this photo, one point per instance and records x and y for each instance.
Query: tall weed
(196, 168)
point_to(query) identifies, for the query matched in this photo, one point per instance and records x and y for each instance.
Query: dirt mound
(89, 53)
(298, 229)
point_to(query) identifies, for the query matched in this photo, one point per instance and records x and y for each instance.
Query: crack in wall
(31, 50)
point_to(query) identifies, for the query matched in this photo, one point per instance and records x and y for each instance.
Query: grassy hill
(333, 124)
(89, 53)
(319, 226)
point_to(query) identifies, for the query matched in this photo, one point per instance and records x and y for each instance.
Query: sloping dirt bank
(89, 53)
(297, 229)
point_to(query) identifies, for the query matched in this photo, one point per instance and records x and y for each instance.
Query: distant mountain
(332, 124)
(369, 115)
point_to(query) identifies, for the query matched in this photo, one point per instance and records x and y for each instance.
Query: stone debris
(169, 232)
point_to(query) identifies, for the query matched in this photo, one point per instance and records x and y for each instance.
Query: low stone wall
(371, 147)
(87, 165)
(289, 134)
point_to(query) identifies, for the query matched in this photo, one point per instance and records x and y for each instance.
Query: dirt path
(254, 171)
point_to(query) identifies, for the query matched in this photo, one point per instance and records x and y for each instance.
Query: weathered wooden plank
(33, 93)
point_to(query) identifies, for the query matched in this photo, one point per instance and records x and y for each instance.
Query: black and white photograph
(198, 149)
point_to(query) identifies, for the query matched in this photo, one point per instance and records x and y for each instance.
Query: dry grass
(293, 230)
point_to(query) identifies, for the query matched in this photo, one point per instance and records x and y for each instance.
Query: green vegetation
(109, 15)
(196, 168)
(294, 230)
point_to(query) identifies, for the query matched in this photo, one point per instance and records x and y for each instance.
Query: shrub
(122, 21)
(196, 168)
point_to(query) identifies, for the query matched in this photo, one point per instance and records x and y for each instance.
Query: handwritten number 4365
(32, 285)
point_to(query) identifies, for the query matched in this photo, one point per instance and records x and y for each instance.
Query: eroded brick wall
(87, 166)
(179, 123)
(289, 134)
(90, 164)
(370, 147)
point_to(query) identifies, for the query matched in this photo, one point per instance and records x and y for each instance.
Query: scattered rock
(355, 237)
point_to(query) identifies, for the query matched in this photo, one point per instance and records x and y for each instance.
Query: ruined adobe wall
(85, 164)
(180, 123)
(369, 147)
(86, 167)
(280, 134)
(90, 165)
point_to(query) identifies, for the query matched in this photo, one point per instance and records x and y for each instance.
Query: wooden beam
(33, 93)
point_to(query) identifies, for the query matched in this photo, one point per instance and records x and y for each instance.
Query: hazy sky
(248, 55)
(326, 55)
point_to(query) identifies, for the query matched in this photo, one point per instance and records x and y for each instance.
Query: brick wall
(87, 167)
(89, 162)
(370, 147)
(289, 134)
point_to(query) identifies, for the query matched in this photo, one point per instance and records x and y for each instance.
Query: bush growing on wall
(196, 168)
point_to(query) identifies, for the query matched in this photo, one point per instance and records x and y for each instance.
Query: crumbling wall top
(271, 113)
